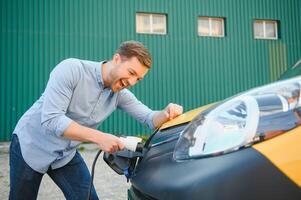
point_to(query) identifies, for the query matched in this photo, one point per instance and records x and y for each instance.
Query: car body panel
(268, 167)
(288, 161)
(159, 176)
(271, 168)
(186, 117)
(284, 151)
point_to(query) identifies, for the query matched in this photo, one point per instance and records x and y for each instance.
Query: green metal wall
(188, 69)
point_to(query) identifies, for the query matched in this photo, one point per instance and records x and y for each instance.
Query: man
(78, 97)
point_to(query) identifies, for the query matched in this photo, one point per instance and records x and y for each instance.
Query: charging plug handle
(131, 143)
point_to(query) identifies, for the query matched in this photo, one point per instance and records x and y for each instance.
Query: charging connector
(130, 142)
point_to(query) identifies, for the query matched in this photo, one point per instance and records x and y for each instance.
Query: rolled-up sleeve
(130, 104)
(57, 96)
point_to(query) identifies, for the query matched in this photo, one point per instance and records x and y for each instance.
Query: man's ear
(116, 58)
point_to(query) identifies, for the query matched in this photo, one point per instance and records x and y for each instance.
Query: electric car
(245, 147)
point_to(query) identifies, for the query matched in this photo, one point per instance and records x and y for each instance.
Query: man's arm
(106, 142)
(154, 119)
(57, 96)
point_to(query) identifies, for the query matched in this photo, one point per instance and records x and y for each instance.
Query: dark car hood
(234, 175)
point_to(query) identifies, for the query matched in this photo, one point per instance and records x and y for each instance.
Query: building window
(265, 29)
(151, 23)
(211, 26)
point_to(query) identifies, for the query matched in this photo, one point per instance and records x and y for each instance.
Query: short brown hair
(136, 49)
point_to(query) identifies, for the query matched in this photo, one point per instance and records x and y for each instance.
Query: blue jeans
(73, 179)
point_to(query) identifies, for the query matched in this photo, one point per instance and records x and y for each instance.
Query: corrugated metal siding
(188, 69)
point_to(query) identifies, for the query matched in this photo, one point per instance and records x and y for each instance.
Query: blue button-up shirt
(75, 92)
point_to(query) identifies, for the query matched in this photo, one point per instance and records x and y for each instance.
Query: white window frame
(264, 29)
(150, 15)
(210, 26)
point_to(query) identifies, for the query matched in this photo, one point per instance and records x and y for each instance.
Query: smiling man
(78, 97)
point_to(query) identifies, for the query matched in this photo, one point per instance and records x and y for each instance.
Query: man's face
(126, 72)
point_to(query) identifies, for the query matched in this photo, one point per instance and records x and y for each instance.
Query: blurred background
(203, 50)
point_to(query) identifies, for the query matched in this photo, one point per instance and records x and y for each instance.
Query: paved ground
(108, 184)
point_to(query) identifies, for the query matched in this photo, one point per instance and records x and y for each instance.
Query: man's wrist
(160, 118)
(95, 136)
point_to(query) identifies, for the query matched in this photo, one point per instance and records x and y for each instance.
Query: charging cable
(130, 142)
(92, 174)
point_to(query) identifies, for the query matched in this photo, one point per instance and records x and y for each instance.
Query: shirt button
(60, 153)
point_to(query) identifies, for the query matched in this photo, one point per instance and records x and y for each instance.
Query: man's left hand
(173, 110)
(169, 112)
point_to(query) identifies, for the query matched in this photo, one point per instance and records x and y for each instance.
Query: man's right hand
(106, 142)
(109, 143)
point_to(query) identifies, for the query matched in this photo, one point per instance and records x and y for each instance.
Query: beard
(118, 85)
(117, 77)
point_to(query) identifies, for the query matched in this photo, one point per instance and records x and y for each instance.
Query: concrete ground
(108, 184)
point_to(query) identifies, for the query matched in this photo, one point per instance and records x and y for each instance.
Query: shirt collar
(98, 70)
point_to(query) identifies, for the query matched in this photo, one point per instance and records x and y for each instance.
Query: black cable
(92, 174)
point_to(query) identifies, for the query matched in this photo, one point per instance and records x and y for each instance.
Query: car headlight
(240, 121)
